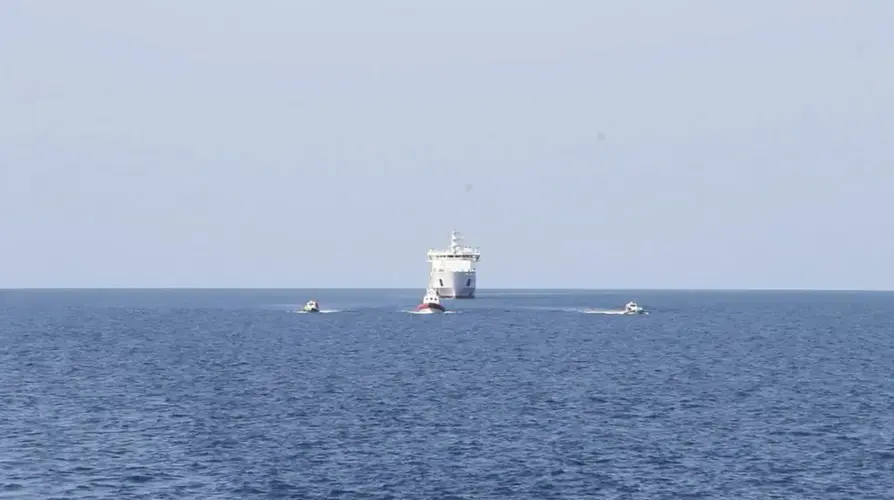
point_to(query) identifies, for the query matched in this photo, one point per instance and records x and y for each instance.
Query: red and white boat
(430, 302)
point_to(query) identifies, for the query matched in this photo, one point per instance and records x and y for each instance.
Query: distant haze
(595, 144)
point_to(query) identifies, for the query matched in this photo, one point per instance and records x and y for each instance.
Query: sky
(577, 143)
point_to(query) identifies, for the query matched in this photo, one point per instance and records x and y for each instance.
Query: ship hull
(430, 307)
(453, 284)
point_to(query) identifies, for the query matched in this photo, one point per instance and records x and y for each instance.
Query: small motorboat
(431, 302)
(633, 308)
(312, 306)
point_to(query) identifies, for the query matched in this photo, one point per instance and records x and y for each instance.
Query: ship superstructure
(452, 272)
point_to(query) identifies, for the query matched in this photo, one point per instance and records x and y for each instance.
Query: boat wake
(426, 311)
(611, 312)
(321, 311)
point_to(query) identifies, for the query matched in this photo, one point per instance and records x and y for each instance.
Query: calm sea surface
(122, 394)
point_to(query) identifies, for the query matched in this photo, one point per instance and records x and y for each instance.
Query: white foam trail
(321, 311)
(427, 311)
(613, 312)
(601, 311)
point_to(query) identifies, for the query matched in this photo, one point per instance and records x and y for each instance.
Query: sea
(517, 394)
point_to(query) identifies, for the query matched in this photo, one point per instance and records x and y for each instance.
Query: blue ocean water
(518, 394)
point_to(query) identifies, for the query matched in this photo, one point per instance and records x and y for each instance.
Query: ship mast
(454, 241)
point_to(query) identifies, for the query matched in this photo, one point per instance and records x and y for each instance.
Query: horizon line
(496, 289)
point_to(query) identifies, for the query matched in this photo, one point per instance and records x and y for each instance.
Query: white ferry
(452, 271)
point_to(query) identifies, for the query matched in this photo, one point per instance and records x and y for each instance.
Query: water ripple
(744, 399)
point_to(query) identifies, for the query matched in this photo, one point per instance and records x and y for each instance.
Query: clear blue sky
(294, 143)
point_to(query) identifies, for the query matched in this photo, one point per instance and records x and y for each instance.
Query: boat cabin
(431, 297)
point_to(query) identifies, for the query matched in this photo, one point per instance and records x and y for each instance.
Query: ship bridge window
(441, 282)
(469, 282)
